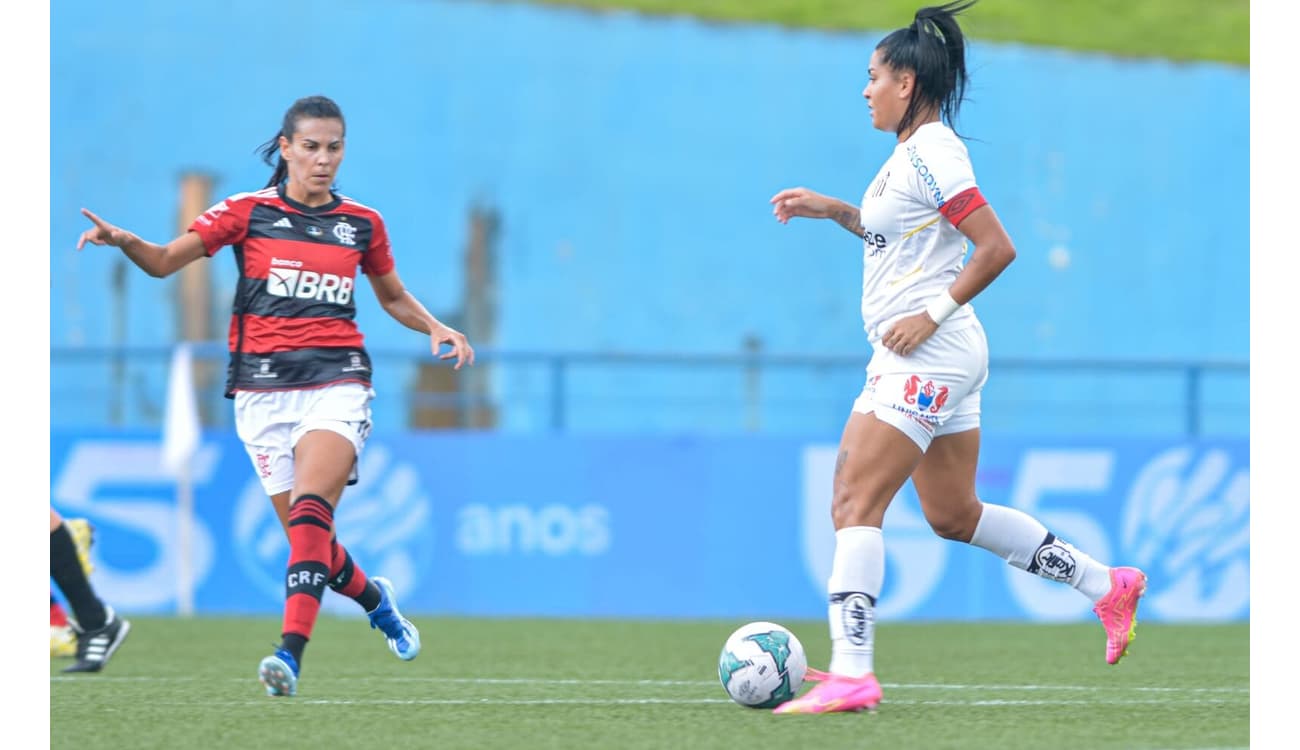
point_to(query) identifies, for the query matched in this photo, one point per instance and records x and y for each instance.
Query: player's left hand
(909, 333)
(461, 351)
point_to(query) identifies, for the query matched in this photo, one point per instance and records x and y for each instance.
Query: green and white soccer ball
(762, 665)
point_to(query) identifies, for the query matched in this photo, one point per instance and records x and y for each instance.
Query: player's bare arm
(848, 217)
(399, 303)
(793, 202)
(992, 254)
(156, 260)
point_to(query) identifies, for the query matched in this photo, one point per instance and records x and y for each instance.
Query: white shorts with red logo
(932, 391)
(270, 423)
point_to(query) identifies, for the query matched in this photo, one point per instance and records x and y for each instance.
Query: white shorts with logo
(270, 423)
(932, 391)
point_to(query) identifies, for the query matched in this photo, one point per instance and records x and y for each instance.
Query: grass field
(179, 683)
(1217, 30)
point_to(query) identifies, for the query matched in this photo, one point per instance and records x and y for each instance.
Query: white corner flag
(180, 437)
(180, 441)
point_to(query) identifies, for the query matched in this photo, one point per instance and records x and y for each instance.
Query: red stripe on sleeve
(962, 204)
(379, 260)
(224, 224)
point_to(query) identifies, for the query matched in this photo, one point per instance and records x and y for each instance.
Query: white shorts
(932, 391)
(270, 423)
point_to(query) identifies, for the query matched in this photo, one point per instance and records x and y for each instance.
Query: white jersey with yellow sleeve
(912, 249)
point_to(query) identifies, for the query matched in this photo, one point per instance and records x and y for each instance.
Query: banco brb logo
(385, 521)
(326, 287)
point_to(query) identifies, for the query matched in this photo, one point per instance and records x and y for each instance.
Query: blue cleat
(403, 638)
(279, 673)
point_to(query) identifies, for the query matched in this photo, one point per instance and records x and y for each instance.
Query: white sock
(857, 574)
(1023, 542)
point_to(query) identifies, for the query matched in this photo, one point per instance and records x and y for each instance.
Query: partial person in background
(918, 414)
(63, 639)
(299, 373)
(99, 630)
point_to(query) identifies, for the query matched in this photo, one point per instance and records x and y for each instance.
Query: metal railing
(748, 371)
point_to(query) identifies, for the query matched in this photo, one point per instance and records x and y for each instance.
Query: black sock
(66, 570)
(369, 598)
(294, 644)
(344, 573)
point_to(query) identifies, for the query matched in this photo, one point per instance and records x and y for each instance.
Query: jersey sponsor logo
(314, 230)
(927, 179)
(284, 222)
(875, 241)
(286, 262)
(264, 370)
(326, 287)
(926, 421)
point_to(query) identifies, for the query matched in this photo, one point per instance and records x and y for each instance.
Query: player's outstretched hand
(102, 233)
(460, 350)
(793, 202)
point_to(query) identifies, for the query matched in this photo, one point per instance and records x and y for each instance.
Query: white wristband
(941, 307)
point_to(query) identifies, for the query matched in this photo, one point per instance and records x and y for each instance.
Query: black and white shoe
(95, 647)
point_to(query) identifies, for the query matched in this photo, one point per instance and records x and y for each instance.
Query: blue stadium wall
(630, 160)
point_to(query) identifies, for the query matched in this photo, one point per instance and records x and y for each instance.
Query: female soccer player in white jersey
(299, 373)
(918, 414)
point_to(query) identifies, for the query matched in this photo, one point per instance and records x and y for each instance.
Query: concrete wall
(631, 159)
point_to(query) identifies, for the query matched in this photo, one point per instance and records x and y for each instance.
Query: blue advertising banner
(734, 527)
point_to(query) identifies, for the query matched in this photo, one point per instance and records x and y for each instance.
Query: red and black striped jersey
(293, 324)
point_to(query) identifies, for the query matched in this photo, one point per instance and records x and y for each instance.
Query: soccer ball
(762, 665)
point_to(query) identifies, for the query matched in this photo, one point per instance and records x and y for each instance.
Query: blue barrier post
(557, 393)
(1193, 401)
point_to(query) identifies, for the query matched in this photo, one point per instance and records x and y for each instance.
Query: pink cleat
(1118, 610)
(835, 693)
(815, 675)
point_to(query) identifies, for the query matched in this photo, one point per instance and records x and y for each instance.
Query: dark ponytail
(934, 49)
(269, 151)
(311, 106)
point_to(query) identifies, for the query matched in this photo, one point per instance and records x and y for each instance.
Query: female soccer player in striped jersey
(299, 373)
(918, 413)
